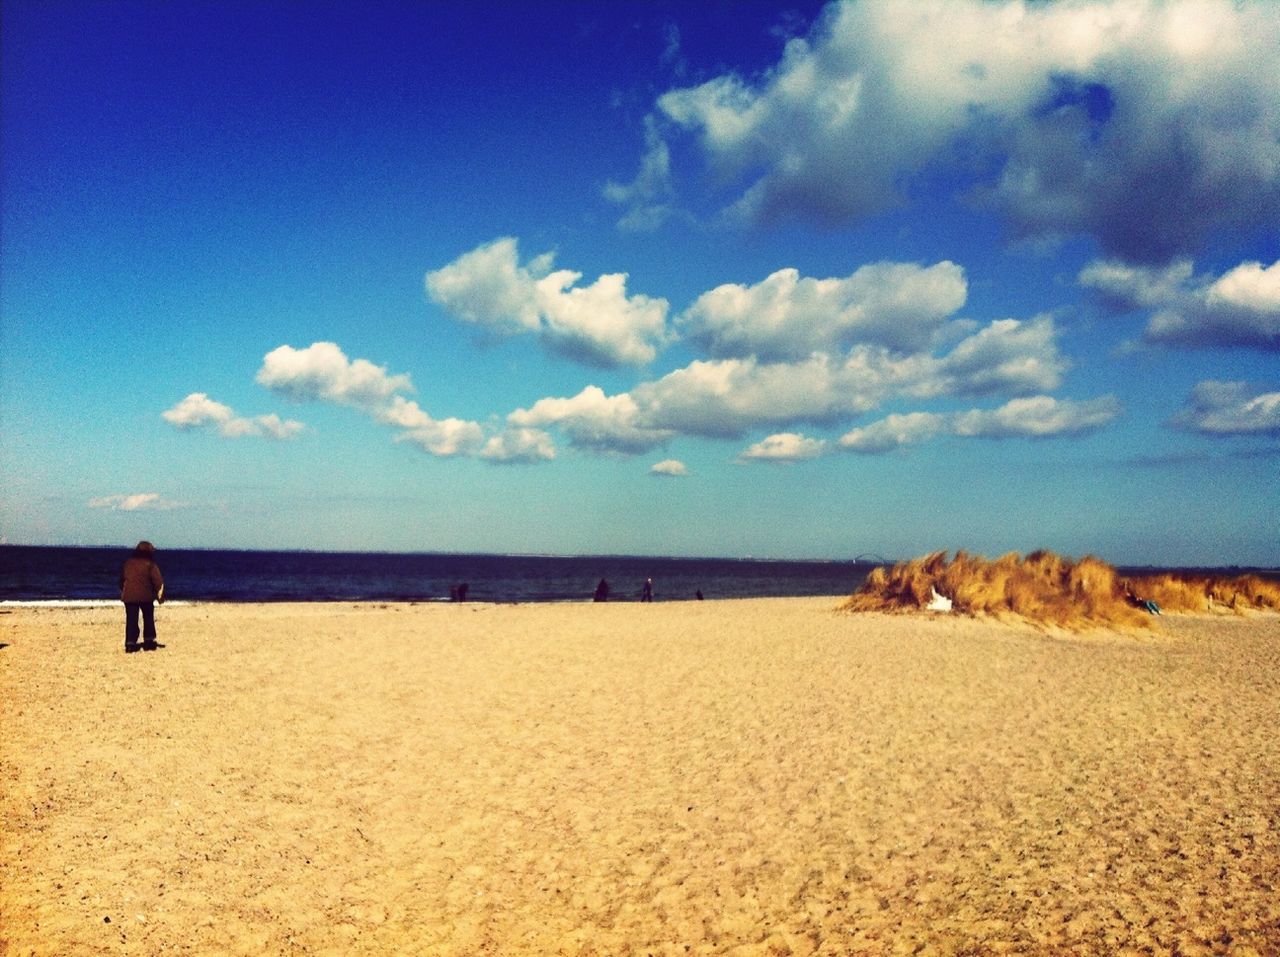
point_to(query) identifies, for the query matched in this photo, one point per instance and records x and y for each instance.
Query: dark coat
(140, 580)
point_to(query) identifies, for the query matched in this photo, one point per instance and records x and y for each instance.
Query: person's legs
(148, 624)
(131, 610)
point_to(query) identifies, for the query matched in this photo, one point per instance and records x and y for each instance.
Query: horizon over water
(51, 573)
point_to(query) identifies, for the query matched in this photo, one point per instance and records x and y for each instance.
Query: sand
(729, 777)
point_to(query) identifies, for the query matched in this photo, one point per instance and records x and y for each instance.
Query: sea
(58, 575)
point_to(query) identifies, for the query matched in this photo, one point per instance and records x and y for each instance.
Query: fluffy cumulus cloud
(1009, 356)
(789, 317)
(135, 502)
(519, 445)
(728, 397)
(786, 352)
(323, 371)
(1039, 416)
(669, 468)
(783, 447)
(1239, 308)
(198, 411)
(1230, 408)
(1146, 124)
(595, 421)
(598, 324)
(893, 432)
(731, 397)
(1122, 287)
(441, 437)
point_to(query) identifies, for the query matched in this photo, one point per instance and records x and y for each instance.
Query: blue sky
(730, 279)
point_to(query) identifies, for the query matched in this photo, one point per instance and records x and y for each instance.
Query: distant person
(459, 592)
(141, 584)
(1145, 604)
(602, 591)
(698, 594)
(646, 593)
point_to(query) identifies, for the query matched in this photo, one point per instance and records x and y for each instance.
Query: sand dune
(737, 777)
(1055, 592)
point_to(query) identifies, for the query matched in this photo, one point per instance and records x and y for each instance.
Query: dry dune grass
(1050, 590)
(1199, 593)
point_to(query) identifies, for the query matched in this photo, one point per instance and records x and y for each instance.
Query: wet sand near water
(725, 777)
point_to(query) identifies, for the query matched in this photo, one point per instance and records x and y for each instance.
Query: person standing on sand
(646, 594)
(141, 584)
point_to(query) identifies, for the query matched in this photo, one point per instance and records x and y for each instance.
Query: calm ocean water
(30, 573)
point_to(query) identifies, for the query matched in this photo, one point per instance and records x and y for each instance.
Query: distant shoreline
(79, 574)
(47, 573)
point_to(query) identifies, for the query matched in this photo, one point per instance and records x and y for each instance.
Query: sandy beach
(732, 777)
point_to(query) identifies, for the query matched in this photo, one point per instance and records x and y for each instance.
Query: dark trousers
(131, 610)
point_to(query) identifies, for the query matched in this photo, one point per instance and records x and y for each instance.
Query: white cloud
(729, 397)
(597, 324)
(197, 411)
(445, 438)
(1008, 356)
(274, 427)
(489, 287)
(1250, 286)
(783, 447)
(1123, 287)
(1147, 125)
(650, 196)
(894, 315)
(1230, 408)
(847, 346)
(593, 420)
(440, 437)
(669, 468)
(137, 502)
(402, 413)
(1239, 308)
(718, 399)
(1039, 416)
(322, 371)
(519, 445)
(786, 317)
(894, 432)
(787, 351)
